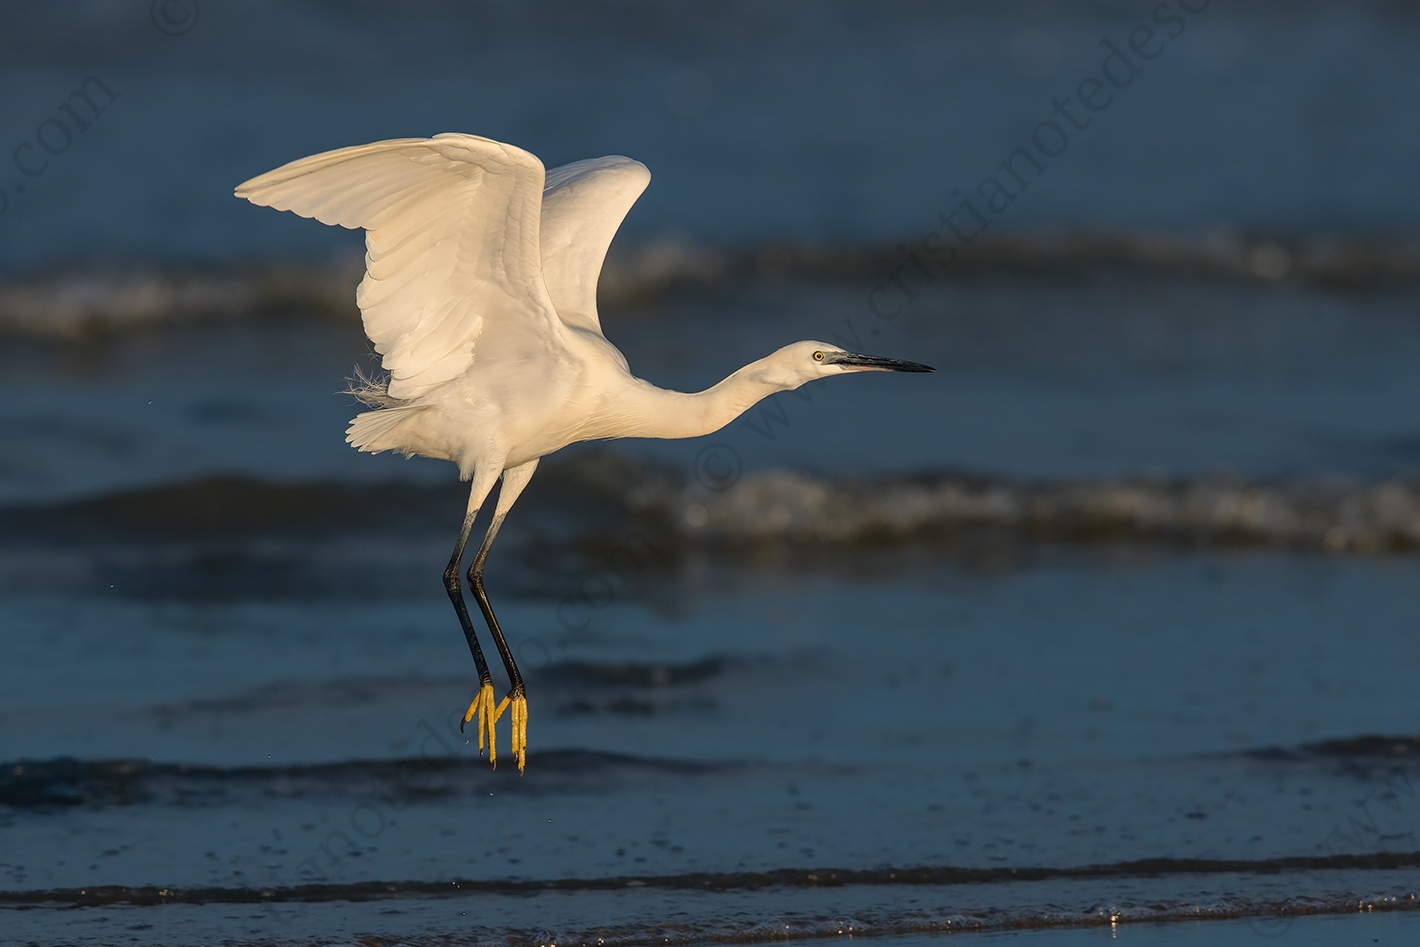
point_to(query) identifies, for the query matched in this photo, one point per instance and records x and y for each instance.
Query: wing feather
(452, 239)
(583, 204)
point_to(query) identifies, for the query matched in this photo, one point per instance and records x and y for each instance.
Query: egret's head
(802, 362)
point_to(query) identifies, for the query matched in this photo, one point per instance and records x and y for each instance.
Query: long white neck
(655, 412)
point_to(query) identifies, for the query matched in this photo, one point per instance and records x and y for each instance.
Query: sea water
(1106, 630)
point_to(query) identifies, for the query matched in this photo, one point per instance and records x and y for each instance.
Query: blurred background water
(1111, 620)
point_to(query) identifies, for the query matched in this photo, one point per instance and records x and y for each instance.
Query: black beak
(875, 363)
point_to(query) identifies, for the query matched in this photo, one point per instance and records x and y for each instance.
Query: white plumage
(480, 297)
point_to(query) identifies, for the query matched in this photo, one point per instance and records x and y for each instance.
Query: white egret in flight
(480, 296)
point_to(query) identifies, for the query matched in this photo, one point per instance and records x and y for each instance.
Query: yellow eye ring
(818, 356)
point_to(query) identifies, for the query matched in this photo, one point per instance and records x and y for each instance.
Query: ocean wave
(84, 304)
(784, 507)
(1369, 747)
(596, 499)
(235, 506)
(1034, 896)
(1314, 260)
(65, 782)
(88, 303)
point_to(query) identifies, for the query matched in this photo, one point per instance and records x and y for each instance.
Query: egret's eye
(818, 356)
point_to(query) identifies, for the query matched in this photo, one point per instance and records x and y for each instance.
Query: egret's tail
(383, 429)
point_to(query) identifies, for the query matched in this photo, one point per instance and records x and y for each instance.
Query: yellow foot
(519, 714)
(482, 707)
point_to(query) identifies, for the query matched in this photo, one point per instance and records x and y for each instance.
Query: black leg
(451, 585)
(475, 580)
(514, 480)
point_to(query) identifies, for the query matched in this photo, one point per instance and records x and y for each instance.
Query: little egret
(480, 296)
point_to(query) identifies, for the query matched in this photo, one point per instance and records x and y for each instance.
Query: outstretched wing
(452, 249)
(582, 206)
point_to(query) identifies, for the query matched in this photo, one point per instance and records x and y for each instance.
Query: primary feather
(583, 204)
(453, 257)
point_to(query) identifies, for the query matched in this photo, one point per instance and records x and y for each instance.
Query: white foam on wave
(85, 304)
(790, 507)
(81, 303)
